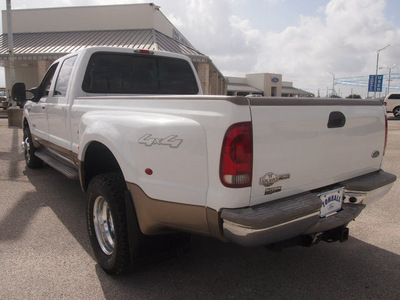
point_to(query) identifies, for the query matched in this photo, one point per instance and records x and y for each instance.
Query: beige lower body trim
(68, 154)
(157, 217)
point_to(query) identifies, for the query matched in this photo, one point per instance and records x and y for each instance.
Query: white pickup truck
(392, 103)
(156, 156)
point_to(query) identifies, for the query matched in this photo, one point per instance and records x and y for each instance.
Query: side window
(64, 76)
(44, 87)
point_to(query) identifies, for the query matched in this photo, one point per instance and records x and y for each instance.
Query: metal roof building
(289, 91)
(52, 45)
(43, 35)
(265, 84)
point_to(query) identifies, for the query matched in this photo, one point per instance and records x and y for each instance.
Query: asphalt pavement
(45, 252)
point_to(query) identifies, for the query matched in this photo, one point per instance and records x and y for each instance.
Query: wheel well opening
(98, 160)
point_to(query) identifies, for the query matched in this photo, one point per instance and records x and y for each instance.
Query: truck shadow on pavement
(64, 197)
(52, 190)
(43, 187)
(214, 270)
(211, 269)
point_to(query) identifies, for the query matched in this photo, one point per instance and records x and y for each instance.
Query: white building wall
(256, 80)
(113, 17)
(237, 80)
(26, 72)
(273, 85)
(270, 83)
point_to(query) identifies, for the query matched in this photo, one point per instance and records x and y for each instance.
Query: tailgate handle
(336, 119)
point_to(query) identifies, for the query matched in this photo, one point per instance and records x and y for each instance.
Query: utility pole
(14, 114)
(10, 46)
(377, 66)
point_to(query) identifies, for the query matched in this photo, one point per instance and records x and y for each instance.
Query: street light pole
(390, 73)
(377, 66)
(390, 76)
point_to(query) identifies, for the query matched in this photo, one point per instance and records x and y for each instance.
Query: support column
(203, 70)
(214, 83)
(222, 85)
(43, 65)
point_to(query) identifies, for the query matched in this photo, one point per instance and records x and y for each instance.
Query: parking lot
(45, 252)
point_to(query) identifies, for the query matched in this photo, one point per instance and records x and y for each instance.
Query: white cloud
(273, 1)
(341, 37)
(343, 41)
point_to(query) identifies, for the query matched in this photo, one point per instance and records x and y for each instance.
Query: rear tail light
(236, 166)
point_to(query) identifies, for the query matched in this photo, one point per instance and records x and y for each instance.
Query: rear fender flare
(166, 155)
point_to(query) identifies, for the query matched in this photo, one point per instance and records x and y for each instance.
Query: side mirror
(18, 92)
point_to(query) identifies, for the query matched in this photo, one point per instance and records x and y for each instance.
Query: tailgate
(302, 144)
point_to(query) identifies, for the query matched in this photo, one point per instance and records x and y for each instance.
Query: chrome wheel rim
(27, 150)
(104, 225)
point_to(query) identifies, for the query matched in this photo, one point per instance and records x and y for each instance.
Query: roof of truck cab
(52, 45)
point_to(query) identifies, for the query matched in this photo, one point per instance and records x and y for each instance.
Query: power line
(362, 81)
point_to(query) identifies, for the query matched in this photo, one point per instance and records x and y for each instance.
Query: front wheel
(396, 111)
(107, 224)
(31, 160)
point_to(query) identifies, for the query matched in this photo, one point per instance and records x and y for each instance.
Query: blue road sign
(379, 83)
(371, 83)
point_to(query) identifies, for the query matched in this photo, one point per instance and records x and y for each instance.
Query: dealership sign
(372, 84)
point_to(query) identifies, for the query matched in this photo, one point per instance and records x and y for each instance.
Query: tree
(353, 96)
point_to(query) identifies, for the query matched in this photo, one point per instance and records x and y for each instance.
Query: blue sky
(304, 40)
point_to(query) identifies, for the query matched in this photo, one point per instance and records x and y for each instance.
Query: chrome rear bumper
(297, 215)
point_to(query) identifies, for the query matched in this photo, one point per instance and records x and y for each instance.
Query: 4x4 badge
(271, 178)
(170, 141)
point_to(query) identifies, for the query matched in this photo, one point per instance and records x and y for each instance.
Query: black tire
(31, 160)
(396, 111)
(107, 224)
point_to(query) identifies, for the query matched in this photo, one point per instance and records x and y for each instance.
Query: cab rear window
(120, 73)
